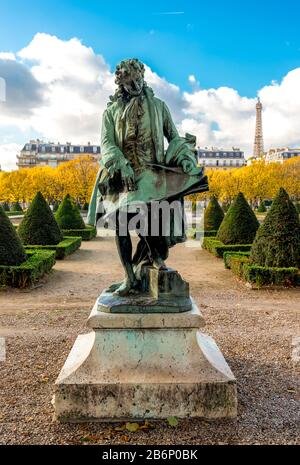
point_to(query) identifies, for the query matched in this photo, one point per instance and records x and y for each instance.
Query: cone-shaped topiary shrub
(68, 216)
(5, 206)
(277, 242)
(240, 223)
(39, 226)
(11, 249)
(213, 215)
(16, 207)
(261, 208)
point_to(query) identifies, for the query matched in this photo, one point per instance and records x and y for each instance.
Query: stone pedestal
(144, 366)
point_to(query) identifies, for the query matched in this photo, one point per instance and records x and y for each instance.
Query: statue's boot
(114, 286)
(127, 287)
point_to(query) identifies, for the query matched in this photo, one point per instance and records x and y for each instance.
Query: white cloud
(8, 153)
(7, 56)
(59, 89)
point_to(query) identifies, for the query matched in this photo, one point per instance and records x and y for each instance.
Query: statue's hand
(128, 177)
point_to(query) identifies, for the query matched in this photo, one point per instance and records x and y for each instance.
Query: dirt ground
(253, 328)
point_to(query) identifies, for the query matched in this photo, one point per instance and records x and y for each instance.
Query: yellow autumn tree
(258, 182)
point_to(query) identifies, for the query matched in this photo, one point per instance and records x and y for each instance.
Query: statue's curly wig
(123, 68)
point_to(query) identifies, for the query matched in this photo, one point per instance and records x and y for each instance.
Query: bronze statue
(136, 170)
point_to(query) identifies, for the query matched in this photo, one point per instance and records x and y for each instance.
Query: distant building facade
(39, 153)
(220, 158)
(281, 155)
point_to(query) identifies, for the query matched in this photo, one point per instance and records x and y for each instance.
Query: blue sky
(208, 60)
(244, 45)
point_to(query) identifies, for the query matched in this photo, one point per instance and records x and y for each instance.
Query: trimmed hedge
(16, 207)
(261, 208)
(228, 256)
(37, 264)
(12, 252)
(240, 223)
(194, 233)
(213, 215)
(5, 206)
(261, 275)
(86, 234)
(39, 226)
(217, 248)
(277, 242)
(64, 248)
(68, 215)
(15, 213)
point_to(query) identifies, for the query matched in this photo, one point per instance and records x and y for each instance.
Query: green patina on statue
(135, 168)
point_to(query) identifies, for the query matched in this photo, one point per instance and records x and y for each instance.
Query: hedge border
(37, 264)
(238, 263)
(64, 248)
(15, 213)
(193, 233)
(86, 234)
(217, 248)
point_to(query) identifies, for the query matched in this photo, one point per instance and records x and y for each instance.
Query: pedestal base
(150, 366)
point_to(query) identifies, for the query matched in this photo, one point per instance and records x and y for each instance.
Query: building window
(62, 149)
(27, 147)
(95, 149)
(81, 149)
(71, 149)
(53, 149)
(43, 148)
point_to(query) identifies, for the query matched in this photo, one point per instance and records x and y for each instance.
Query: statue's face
(133, 81)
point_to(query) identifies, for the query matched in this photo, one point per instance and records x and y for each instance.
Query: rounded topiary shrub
(11, 248)
(39, 226)
(261, 208)
(213, 215)
(68, 216)
(16, 207)
(240, 223)
(277, 242)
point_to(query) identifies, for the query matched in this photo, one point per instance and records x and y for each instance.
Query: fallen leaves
(172, 421)
(133, 427)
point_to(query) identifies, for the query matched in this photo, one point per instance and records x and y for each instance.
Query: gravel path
(254, 330)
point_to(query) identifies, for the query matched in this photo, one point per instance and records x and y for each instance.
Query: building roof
(41, 147)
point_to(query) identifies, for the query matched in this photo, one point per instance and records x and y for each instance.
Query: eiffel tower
(258, 141)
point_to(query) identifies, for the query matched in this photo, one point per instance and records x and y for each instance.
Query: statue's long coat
(164, 180)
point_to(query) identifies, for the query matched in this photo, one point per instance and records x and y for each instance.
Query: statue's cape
(164, 180)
